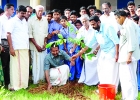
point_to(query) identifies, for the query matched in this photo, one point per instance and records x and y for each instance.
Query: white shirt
(86, 34)
(19, 33)
(110, 20)
(3, 26)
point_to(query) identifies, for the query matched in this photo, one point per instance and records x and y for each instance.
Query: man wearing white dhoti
(18, 40)
(129, 54)
(107, 62)
(56, 72)
(89, 74)
(38, 31)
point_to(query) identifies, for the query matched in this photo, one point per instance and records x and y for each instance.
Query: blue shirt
(69, 32)
(52, 61)
(106, 37)
(52, 27)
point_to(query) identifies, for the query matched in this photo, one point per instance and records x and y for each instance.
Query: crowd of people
(113, 36)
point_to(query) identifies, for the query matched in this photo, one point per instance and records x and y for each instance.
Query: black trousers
(5, 59)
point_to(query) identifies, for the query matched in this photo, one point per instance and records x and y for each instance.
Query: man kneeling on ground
(56, 71)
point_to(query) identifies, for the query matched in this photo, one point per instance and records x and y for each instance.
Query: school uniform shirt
(54, 26)
(69, 32)
(19, 33)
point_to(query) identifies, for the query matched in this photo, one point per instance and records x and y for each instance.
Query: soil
(72, 90)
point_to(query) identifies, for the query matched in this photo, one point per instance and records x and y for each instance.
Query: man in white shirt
(18, 40)
(38, 31)
(5, 56)
(129, 54)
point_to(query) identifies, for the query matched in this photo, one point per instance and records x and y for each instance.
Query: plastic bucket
(107, 91)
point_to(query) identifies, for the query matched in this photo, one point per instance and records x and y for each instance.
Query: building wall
(44, 3)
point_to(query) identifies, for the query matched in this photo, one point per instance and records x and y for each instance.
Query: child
(69, 31)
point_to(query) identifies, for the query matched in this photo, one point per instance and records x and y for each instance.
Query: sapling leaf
(49, 44)
(60, 36)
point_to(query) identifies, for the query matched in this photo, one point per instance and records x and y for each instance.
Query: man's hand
(129, 60)
(74, 57)
(44, 47)
(72, 63)
(95, 52)
(39, 49)
(49, 86)
(116, 57)
(12, 51)
(55, 32)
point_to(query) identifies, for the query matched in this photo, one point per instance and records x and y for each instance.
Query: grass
(23, 94)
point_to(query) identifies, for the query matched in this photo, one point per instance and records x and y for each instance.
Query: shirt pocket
(101, 39)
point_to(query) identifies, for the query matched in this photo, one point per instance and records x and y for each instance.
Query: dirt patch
(72, 90)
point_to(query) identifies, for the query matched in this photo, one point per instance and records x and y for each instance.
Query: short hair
(120, 13)
(54, 45)
(138, 7)
(82, 8)
(107, 3)
(1, 11)
(78, 21)
(21, 8)
(95, 18)
(8, 5)
(135, 18)
(73, 12)
(49, 13)
(85, 16)
(98, 11)
(63, 17)
(91, 7)
(39, 6)
(29, 7)
(130, 3)
(67, 9)
(56, 11)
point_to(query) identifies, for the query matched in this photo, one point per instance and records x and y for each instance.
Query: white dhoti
(59, 75)
(128, 79)
(19, 70)
(108, 70)
(89, 74)
(38, 66)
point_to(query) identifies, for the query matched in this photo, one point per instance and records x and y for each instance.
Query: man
(131, 8)
(18, 40)
(67, 13)
(107, 66)
(38, 31)
(129, 54)
(5, 56)
(55, 71)
(108, 16)
(89, 70)
(29, 12)
(91, 9)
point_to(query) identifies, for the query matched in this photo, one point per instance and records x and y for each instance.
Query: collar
(38, 19)
(125, 22)
(54, 56)
(101, 28)
(5, 16)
